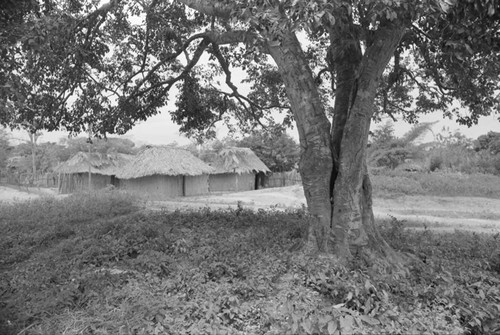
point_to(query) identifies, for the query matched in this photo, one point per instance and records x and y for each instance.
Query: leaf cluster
(489, 142)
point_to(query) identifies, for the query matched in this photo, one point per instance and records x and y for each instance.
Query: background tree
(489, 142)
(47, 157)
(119, 70)
(31, 146)
(387, 150)
(277, 150)
(104, 146)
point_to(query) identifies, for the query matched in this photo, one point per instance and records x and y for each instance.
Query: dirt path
(11, 194)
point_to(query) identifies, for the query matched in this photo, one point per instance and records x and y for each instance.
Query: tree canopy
(119, 60)
(489, 142)
(105, 146)
(328, 66)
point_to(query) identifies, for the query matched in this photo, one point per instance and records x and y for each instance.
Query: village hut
(165, 172)
(236, 169)
(73, 175)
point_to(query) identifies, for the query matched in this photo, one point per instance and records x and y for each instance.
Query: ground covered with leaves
(100, 264)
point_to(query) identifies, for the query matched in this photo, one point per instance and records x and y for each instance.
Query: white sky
(159, 130)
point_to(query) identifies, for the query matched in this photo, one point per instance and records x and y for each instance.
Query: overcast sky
(159, 130)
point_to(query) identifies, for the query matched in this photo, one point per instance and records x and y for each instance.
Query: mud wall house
(73, 175)
(236, 169)
(158, 173)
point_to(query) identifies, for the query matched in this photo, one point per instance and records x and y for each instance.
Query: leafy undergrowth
(103, 266)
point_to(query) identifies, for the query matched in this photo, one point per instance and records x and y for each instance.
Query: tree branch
(209, 8)
(234, 89)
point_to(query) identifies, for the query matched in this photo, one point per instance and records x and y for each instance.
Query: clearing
(436, 212)
(418, 212)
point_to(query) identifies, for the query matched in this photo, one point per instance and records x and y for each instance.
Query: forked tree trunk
(316, 162)
(333, 160)
(352, 195)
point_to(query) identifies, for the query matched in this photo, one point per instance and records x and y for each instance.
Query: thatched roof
(237, 160)
(105, 164)
(164, 161)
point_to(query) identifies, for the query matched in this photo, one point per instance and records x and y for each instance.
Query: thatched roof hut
(236, 169)
(165, 172)
(105, 164)
(237, 160)
(164, 161)
(74, 173)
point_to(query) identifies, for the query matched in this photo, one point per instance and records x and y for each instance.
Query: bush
(460, 268)
(45, 221)
(436, 163)
(228, 272)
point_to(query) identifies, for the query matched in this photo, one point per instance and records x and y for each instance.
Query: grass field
(391, 183)
(101, 264)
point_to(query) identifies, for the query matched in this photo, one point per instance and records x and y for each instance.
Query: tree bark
(316, 162)
(352, 197)
(344, 57)
(333, 161)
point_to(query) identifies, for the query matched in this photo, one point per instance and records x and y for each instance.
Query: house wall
(157, 187)
(196, 185)
(231, 182)
(79, 182)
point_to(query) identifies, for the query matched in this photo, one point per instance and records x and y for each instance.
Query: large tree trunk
(316, 162)
(333, 160)
(352, 197)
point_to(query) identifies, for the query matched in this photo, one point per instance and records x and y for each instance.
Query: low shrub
(457, 271)
(436, 163)
(45, 221)
(231, 272)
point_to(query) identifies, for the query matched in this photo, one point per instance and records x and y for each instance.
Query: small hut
(165, 172)
(73, 175)
(236, 169)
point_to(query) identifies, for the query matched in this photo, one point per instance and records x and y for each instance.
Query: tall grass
(388, 183)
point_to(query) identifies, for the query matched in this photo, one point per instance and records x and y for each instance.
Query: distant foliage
(454, 152)
(451, 151)
(386, 150)
(101, 145)
(436, 163)
(47, 157)
(276, 149)
(489, 142)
